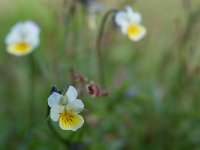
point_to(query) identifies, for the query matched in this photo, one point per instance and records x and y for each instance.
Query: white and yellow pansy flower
(66, 109)
(23, 38)
(130, 23)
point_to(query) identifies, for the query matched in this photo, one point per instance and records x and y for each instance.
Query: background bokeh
(153, 84)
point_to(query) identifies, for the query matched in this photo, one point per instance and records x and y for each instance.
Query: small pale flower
(66, 109)
(130, 23)
(93, 8)
(23, 38)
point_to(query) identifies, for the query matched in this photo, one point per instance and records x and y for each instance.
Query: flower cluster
(95, 90)
(89, 87)
(130, 23)
(23, 38)
(66, 109)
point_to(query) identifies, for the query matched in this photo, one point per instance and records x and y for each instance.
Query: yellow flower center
(68, 119)
(134, 30)
(20, 47)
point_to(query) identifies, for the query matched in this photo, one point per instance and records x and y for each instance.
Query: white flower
(23, 38)
(65, 109)
(130, 23)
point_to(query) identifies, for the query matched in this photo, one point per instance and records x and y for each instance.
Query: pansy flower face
(23, 38)
(65, 109)
(130, 23)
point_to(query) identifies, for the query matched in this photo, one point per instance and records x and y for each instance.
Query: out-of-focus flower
(92, 22)
(92, 120)
(95, 90)
(131, 92)
(75, 78)
(23, 38)
(130, 23)
(66, 109)
(93, 8)
(86, 86)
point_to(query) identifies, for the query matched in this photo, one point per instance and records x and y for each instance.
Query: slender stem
(32, 79)
(55, 133)
(193, 18)
(98, 45)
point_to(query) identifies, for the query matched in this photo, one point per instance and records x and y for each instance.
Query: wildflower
(23, 38)
(86, 86)
(65, 109)
(92, 120)
(131, 92)
(95, 90)
(92, 8)
(130, 23)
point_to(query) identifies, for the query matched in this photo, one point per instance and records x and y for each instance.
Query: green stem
(65, 142)
(193, 18)
(32, 79)
(98, 45)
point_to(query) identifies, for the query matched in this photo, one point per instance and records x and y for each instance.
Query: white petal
(71, 93)
(124, 28)
(55, 112)
(134, 17)
(24, 32)
(14, 36)
(75, 105)
(129, 9)
(32, 26)
(32, 31)
(120, 18)
(53, 99)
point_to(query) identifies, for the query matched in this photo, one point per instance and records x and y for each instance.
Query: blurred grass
(163, 113)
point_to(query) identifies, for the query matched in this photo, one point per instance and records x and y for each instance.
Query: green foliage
(153, 84)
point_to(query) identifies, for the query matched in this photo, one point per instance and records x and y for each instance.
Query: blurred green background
(153, 84)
